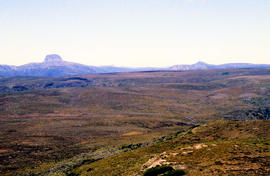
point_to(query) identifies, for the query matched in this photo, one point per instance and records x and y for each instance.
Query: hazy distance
(155, 33)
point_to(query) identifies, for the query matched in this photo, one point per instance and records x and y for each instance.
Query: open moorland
(76, 125)
(217, 148)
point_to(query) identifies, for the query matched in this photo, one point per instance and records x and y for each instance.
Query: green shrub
(157, 170)
(225, 73)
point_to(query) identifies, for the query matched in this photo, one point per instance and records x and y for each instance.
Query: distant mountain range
(204, 66)
(54, 66)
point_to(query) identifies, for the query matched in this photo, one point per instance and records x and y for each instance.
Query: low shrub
(177, 172)
(157, 170)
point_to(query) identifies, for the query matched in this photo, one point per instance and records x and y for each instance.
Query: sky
(135, 33)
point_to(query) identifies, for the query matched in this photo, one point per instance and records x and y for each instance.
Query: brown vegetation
(57, 118)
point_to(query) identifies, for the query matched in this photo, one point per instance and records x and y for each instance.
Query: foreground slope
(216, 148)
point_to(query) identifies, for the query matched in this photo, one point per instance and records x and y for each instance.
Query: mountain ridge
(54, 66)
(202, 66)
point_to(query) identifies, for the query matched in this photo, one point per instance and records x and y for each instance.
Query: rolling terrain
(55, 125)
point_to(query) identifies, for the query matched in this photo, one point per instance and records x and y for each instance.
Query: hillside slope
(217, 148)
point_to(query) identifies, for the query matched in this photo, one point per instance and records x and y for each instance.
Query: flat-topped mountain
(54, 66)
(53, 58)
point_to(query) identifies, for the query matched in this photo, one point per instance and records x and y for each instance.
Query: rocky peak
(53, 58)
(200, 63)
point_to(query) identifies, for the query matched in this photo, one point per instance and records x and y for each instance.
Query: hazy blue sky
(135, 32)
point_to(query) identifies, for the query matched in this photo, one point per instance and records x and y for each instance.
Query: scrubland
(112, 124)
